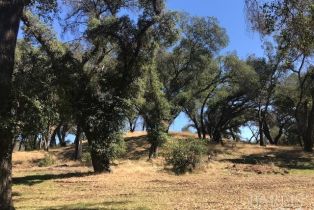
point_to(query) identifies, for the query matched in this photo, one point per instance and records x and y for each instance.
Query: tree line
(135, 58)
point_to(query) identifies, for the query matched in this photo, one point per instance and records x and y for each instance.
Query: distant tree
(269, 73)
(230, 105)
(183, 68)
(290, 23)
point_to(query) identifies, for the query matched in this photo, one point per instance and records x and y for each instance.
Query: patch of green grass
(302, 171)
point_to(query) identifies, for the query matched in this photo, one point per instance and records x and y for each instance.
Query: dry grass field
(238, 176)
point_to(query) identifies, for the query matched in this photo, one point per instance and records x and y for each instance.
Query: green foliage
(156, 110)
(184, 155)
(86, 159)
(48, 160)
(118, 147)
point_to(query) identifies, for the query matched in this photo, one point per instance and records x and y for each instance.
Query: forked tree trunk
(10, 14)
(53, 141)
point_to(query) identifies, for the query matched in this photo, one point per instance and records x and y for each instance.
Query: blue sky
(231, 16)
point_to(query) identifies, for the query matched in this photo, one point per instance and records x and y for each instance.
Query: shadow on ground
(283, 159)
(112, 205)
(37, 179)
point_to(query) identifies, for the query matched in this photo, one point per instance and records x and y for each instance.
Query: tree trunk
(6, 172)
(199, 134)
(35, 141)
(197, 127)
(153, 150)
(10, 14)
(217, 136)
(144, 125)
(53, 141)
(276, 140)
(132, 124)
(100, 159)
(78, 144)
(47, 138)
(101, 164)
(267, 133)
(61, 132)
(261, 134)
(22, 142)
(308, 137)
(65, 129)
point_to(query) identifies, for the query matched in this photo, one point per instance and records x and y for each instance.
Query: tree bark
(78, 144)
(22, 142)
(308, 137)
(100, 159)
(132, 124)
(217, 136)
(47, 138)
(261, 129)
(267, 133)
(100, 163)
(35, 141)
(261, 134)
(61, 132)
(10, 14)
(53, 141)
(276, 140)
(6, 172)
(153, 150)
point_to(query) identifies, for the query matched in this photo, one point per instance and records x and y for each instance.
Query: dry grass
(239, 176)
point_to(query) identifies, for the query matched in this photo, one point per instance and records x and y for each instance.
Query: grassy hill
(237, 176)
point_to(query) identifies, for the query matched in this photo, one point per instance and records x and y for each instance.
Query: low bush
(48, 160)
(86, 159)
(184, 155)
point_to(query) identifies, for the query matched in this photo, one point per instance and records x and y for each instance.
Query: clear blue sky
(231, 15)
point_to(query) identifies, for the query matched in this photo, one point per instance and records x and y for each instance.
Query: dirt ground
(237, 176)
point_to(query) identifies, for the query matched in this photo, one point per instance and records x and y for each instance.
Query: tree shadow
(282, 159)
(90, 206)
(37, 179)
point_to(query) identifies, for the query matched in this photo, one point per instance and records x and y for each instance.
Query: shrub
(118, 147)
(184, 155)
(48, 160)
(86, 159)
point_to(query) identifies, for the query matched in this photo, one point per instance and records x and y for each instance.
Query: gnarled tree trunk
(10, 13)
